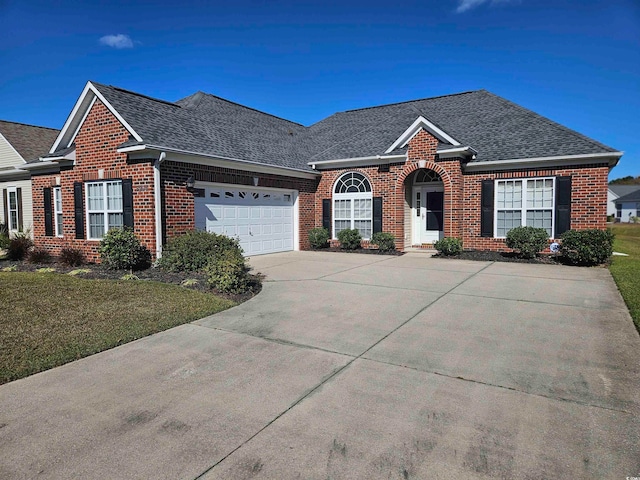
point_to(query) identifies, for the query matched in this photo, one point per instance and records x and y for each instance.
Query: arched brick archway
(451, 194)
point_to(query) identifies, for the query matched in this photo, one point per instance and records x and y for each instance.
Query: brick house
(469, 165)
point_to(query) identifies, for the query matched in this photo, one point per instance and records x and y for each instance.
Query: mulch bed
(98, 272)
(363, 251)
(488, 256)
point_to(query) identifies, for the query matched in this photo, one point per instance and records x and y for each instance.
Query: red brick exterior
(97, 158)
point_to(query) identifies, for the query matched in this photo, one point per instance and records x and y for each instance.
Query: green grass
(50, 319)
(626, 270)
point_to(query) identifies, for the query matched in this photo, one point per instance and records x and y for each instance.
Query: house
(615, 192)
(628, 207)
(470, 165)
(19, 145)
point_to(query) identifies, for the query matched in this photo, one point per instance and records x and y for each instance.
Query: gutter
(371, 160)
(610, 157)
(157, 200)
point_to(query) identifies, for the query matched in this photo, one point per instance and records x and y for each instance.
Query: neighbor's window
(524, 203)
(57, 209)
(12, 195)
(353, 204)
(104, 208)
(618, 211)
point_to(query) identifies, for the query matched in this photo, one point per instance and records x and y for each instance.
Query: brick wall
(96, 157)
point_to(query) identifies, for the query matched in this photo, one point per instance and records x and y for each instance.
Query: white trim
(81, 122)
(56, 212)
(351, 196)
(157, 202)
(417, 222)
(132, 148)
(105, 210)
(416, 126)
(224, 162)
(83, 104)
(359, 161)
(13, 190)
(564, 160)
(455, 152)
(296, 220)
(523, 208)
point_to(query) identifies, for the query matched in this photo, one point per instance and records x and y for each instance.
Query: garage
(261, 218)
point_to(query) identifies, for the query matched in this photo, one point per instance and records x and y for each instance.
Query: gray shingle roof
(630, 197)
(209, 125)
(30, 141)
(621, 190)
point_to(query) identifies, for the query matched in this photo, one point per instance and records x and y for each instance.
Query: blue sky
(576, 62)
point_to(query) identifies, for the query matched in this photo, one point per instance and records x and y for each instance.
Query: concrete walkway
(354, 366)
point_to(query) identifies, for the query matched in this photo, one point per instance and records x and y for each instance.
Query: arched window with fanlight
(353, 204)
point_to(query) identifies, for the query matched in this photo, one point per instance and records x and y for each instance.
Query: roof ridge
(551, 122)
(246, 107)
(412, 101)
(120, 89)
(29, 125)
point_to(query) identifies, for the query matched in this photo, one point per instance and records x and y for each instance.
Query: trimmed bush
(527, 241)
(120, 249)
(587, 247)
(39, 255)
(385, 241)
(449, 246)
(4, 236)
(319, 238)
(349, 239)
(192, 250)
(19, 246)
(72, 257)
(227, 272)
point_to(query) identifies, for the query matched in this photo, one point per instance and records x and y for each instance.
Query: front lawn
(626, 270)
(51, 319)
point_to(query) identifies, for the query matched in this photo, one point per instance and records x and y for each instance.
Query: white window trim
(523, 209)
(13, 190)
(105, 210)
(350, 196)
(57, 212)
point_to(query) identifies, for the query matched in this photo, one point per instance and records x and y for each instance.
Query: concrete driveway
(354, 366)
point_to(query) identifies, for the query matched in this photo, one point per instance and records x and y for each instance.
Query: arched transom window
(353, 204)
(427, 176)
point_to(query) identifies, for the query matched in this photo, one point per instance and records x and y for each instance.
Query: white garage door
(262, 219)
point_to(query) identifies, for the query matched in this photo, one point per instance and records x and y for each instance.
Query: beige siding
(27, 202)
(8, 156)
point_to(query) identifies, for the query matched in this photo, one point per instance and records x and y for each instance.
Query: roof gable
(28, 141)
(630, 197)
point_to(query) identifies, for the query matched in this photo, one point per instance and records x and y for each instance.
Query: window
(618, 210)
(524, 203)
(57, 210)
(353, 204)
(104, 208)
(12, 201)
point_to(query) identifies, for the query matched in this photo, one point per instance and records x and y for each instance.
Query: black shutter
(5, 204)
(326, 214)
(563, 205)
(486, 216)
(48, 213)
(377, 214)
(127, 202)
(19, 199)
(78, 208)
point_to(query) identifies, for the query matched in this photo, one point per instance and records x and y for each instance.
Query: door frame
(418, 219)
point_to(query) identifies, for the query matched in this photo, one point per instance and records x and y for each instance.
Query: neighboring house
(469, 165)
(615, 192)
(628, 207)
(19, 145)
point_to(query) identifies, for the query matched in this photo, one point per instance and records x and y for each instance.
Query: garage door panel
(261, 220)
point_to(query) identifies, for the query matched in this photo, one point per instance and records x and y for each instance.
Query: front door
(428, 214)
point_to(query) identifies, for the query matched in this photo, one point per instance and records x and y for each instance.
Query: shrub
(319, 238)
(228, 272)
(448, 246)
(385, 241)
(39, 255)
(19, 246)
(587, 247)
(191, 251)
(527, 241)
(120, 249)
(349, 239)
(72, 257)
(4, 236)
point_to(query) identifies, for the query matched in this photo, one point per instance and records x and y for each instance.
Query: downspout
(157, 194)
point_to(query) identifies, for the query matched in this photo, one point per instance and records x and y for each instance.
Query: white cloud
(117, 41)
(465, 5)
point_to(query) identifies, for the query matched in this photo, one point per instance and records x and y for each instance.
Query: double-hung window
(104, 208)
(353, 205)
(57, 210)
(12, 210)
(527, 202)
